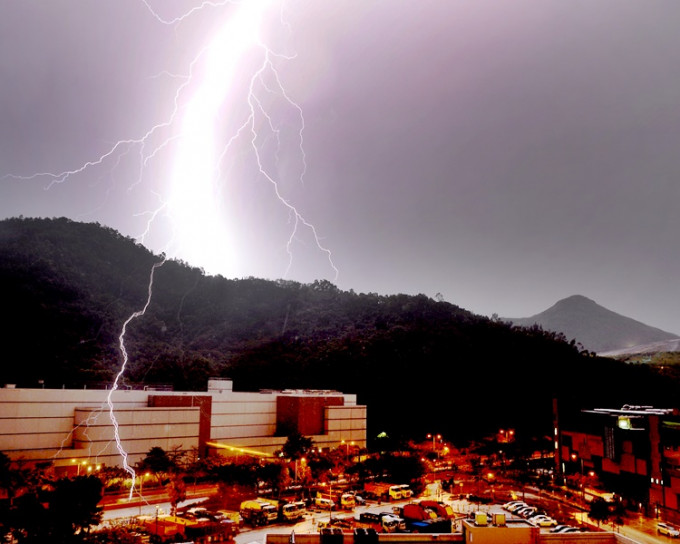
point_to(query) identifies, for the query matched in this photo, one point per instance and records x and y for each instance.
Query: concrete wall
(497, 535)
(139, 430)
(39, 423)
(239, 417)
(348, 538)
(74, 427)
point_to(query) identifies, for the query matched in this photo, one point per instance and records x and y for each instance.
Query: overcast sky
(503, 154)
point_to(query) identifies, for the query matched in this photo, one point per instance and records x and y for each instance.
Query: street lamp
(506, 435)
(347, 444)
(330, 500)
(303, 461)
(330, 504)
(434, 438)
(141, 483)
(574, 457)
(156, 521)
(490, 476)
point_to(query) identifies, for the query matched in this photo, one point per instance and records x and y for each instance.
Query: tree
(297, 446)
(599, 510)
(11, 478)
(158, 462)
(270, 474)
(73, 504)
(177, 491)
(62, 513)
(235, 479)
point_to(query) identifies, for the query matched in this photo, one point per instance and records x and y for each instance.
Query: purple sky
(503, 154)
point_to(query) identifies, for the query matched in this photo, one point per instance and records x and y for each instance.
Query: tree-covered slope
(419, 365)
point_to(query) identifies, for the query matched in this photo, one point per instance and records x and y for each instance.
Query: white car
(667, 529)
(543, 521)
(526, 512)
(564, 529)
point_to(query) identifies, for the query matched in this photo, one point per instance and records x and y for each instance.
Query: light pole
(141, 482)
(490, 476)
(347, 444)
(157, 538)
(330, 500)
(506, 435)
(434, 438)
(302, 461)
(574, 457)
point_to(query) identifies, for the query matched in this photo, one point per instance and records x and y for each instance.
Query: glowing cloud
(225, 101)
(202, 234)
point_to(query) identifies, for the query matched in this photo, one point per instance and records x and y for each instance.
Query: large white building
(74, 428)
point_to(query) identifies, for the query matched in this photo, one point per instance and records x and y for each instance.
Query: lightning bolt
(114, 387)
(190, 131)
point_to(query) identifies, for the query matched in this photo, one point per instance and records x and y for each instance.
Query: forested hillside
(420, 365)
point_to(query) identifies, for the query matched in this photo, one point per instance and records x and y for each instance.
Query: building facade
(633, 451)
(80, 430)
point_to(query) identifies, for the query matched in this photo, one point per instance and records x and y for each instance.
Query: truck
(384, 522)
(165, 528)
(442, 509)
(421, 519)
(341, 500)
(171, 528)
(291, 512)
(383, 491)
(406, 491)
(256, 512)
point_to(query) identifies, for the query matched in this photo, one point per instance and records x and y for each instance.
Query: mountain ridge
(68, 287)
(595, 327)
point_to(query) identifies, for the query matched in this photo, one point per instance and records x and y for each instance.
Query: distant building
(634, 451)
(73, 428)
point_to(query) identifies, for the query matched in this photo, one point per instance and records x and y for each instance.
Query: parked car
(526, 511)
(667, 529)
(512, 504)
(559, 528)
(564, 529)
(543, 521)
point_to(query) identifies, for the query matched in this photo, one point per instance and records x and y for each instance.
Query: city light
(435, 438)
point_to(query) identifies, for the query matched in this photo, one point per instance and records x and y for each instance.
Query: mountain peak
(595, 327)
(575, 303)
(574, 300)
